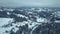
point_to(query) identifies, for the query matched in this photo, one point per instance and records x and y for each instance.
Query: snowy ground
(4, 21)
(32, 17)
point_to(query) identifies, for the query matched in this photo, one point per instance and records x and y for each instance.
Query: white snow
(31, 24)
(8, 13)
(43, 20)
(23, 16)
(5, 21)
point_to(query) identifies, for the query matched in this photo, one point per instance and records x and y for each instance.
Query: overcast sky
(30, 3)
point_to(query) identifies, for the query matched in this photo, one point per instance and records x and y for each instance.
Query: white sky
(33, 3)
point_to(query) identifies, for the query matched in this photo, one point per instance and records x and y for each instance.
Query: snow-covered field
(14, 21)
(5, 21)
